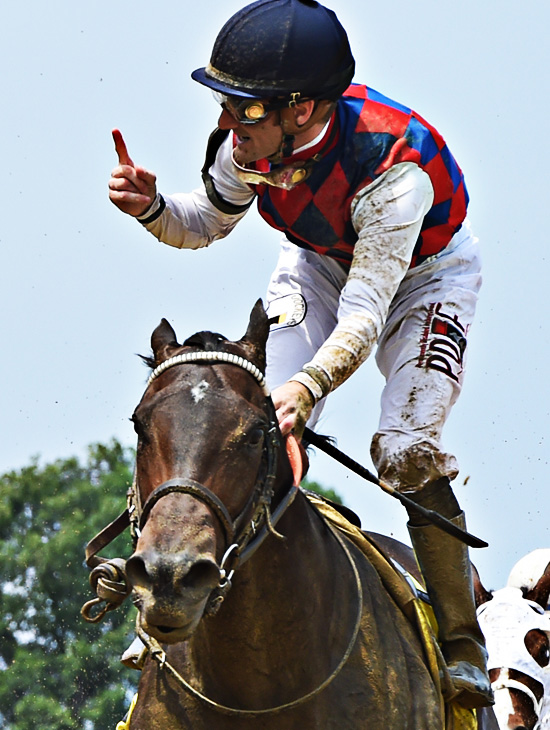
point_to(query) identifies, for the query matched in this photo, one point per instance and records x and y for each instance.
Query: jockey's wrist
(154, 211)
(317, 382)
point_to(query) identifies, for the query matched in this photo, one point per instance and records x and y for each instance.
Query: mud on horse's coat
(281, 649)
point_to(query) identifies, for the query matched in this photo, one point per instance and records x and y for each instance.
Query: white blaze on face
(199, 391)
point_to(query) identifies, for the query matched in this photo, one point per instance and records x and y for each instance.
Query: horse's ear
(162, 339)
(257, 333)
(540, 592)
(481, 594)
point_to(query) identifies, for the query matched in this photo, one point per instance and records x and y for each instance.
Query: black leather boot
(445, 565)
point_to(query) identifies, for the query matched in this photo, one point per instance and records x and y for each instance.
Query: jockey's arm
(387, 216)
(191, 220)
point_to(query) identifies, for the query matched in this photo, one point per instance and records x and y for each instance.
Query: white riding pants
(421, 349)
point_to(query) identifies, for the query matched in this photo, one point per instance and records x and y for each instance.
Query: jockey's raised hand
(131, 188)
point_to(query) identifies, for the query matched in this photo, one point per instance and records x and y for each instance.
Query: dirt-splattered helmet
(280, 49)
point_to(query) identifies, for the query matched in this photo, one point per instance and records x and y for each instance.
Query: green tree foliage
(56, 671)
(323, 491)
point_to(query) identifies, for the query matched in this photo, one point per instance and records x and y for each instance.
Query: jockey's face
(254, 141)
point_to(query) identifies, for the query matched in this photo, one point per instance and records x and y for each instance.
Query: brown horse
(517, 631)
(266, 616)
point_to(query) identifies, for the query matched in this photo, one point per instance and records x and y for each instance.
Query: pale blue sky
(83, 286)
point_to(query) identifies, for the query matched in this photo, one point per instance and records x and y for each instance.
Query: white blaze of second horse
(503, 707)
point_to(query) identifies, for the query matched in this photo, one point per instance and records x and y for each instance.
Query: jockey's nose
(227, 120)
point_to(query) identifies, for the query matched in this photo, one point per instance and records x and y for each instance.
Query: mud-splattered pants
(421, 349)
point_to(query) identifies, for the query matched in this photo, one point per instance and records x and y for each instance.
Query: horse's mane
(206, 341)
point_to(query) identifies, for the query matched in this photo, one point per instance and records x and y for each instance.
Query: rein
(324, 444)
(159, 655)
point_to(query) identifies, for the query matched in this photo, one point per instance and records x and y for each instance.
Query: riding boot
(446, 568)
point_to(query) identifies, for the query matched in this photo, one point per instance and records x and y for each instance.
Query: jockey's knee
(409, 464)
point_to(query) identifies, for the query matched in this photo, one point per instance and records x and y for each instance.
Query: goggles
(286, 176)
(247, 111)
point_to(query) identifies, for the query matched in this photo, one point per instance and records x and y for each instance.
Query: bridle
(245, 533)
(504, 681)
(243, 545)
(508, 650)
(242, 536)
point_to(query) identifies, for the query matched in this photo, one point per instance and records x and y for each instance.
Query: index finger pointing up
(120, 147)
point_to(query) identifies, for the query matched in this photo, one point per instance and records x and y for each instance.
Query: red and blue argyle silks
(373, 133)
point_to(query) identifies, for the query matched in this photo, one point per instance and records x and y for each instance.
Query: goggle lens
(244, 111)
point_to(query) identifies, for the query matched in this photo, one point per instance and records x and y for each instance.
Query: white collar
(313, 142)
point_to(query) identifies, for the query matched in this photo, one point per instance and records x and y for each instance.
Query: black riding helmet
(280, 49)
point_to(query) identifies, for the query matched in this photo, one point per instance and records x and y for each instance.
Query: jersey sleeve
(387, 216)
(196, 219)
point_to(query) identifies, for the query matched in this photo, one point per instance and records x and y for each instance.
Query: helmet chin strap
(287, 122)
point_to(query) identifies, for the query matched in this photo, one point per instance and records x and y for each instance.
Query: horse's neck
(294, 567)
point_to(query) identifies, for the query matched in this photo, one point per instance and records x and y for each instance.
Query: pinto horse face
(200, 424)
(516, 709)
(517, 633)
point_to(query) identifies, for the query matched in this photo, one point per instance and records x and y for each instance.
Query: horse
(256, 612)
(517, 632)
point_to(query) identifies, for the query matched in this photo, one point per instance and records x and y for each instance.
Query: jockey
(376, 250)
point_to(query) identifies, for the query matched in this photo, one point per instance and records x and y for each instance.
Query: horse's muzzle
(171, 591)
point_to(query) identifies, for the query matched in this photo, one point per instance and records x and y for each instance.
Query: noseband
(200, 492)
(244, 534)
(505, 621)
(504, 681)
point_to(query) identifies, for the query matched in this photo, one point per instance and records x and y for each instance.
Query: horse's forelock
(207, 341)
(149, 360)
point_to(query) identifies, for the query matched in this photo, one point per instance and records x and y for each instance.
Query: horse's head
(205, 470)
(517, 632)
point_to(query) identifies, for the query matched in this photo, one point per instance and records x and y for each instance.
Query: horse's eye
(136, 424)
(537, 644)
(256, 437)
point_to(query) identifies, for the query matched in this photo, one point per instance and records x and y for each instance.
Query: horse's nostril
(136, 572)
(202, 574)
